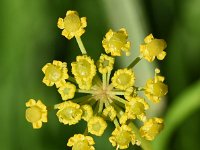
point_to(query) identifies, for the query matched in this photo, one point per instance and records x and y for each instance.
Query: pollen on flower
(55, 73)
(123, 79)
(67, 90)
(69, 112)
(151, 128)
(36, 113)
(116, 42)
(97, 125)
(153, 48)
(81, 142)
(122, 137)
(72, 25)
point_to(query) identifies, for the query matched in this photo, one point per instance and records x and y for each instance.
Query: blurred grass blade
(181, 109)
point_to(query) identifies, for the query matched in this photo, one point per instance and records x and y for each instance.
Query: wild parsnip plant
(106, 97)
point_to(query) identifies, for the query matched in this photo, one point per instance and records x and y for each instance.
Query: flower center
(102, 93)
(70, 113)
(66, 91)
(137, 108)
(105, 63)
(159, 89)
(33, 114)
(53, 73)
(96, 127)
(123, 79)
(117, 41)
(123, 138)
(81, 145)
(156, 46)
(72, 23)
(83, 68)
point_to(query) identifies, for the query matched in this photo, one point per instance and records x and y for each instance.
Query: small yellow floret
(123, 79)
(67, 91)
(151, 128)
(136, 107)
(130, 93)
(123, 118)
(105, 63)
(84, 70)
(155, 88)
(72, 25)
(116, 42)
(153, 48)
(36, 113)
(55, 73)
(81, 142)
(69, 112)
(122, 136)
(96, 125)
(110, 112)
(87, 112)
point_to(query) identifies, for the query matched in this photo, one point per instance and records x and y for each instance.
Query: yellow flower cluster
(107, 98)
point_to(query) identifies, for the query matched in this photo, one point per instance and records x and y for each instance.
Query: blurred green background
(29, 38)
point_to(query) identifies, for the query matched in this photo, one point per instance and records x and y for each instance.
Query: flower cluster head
(107, 95)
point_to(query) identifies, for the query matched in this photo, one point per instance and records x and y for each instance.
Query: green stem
(71, 79)
(81, 99)
(146, 145)
(108, 77)
(84, 91)
(119, 99)
(81, 46)
(135, 61)
(100, 107)
(90, 100)
(86, 131)
(104, 80)
(116, 123)
(117, 92)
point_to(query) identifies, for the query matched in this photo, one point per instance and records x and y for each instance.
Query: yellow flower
(116, 42)
(87, 112)
(105, 63)
(122, 136)
(136, 107)
(110, 112)
(130, 93)
(96, 125)
(153, 48)
(55, 73)
(84, 70)
(69, 112)
(81, 142)
(155, 88)
(36, 113)
(84, 84)
(151, 128)
(72, 25)
(123, 79)
(67, 90)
